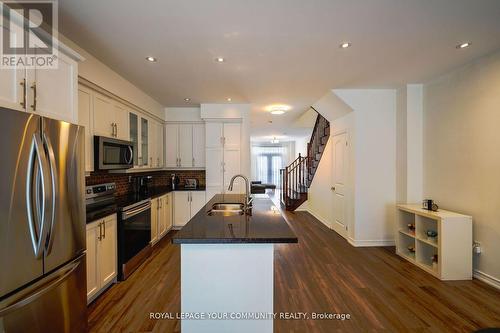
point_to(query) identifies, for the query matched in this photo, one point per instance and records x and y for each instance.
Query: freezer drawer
(56, 304)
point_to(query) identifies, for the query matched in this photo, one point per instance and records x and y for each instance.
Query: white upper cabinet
(198, 145)
(49, 92)
(111, 118)
(155, 144)
(53, 92)
(12, 81)
(171, 145)
(232, 135)
(214, 135)
(104, 120)
(222, 156)
(120, 113)
(185, 145)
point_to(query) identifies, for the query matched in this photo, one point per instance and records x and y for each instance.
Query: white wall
(409, 144)
(462, 151)
(371, 132)
(301, 146)
(100, 74)
(182, 114)
(375, 163)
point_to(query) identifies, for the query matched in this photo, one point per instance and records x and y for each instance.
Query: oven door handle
(133, 212)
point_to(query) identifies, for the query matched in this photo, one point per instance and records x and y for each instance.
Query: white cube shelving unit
(453, 244)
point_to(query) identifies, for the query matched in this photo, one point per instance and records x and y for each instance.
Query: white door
(232, 167)
(53, 93)
(103, 116)
(171, 145)
(213, 135)
(182, 208)
(210, 192)
(154, 220)
(214, 165)
(12, 80)
(339, 178)
(91, 259)
(197, 201)
(186, 145)
(121, 120)
(232, 135)
(107, 251)
(199, 145)
(85, 119)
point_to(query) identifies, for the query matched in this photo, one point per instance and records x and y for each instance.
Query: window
(267, 162)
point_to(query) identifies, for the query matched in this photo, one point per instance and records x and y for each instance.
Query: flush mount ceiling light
(345, 45)
(463, 45)
(187, 99)
(151, 59)
(278, 109)
(220, 59)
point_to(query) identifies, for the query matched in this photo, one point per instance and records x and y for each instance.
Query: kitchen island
(227, 266)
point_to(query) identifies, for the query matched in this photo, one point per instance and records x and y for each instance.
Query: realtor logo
(29, 32)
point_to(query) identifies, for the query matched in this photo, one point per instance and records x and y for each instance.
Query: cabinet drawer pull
(34, 96)
(100, 231)
(23, 84)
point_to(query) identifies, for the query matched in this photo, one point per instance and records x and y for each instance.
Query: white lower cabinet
(186, 205)
(101, 255)
(161, 217)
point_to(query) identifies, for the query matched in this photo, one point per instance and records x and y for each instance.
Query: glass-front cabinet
(139, 135)
(144, 141)
(134, 136)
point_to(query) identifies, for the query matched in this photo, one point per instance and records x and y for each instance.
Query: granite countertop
(128, 199)
(265, 225)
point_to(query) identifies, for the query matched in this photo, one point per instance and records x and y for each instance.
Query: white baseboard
(319, 218)
(486, 278)
(371, 242)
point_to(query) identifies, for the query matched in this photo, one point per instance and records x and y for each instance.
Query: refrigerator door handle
(37, 236)
(65, 272)
(53, 199)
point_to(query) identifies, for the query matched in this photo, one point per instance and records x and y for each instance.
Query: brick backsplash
(160, 178)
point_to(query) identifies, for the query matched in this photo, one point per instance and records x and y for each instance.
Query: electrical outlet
(476, 246)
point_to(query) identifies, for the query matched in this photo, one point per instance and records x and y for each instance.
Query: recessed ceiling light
(151, 59)
(463, 45)
(345, 45)
(229, 99)
(187, 99)
(220, 59)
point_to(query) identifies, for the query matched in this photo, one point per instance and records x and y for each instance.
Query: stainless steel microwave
(112, 153)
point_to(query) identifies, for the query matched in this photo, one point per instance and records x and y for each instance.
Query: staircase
(297, 177)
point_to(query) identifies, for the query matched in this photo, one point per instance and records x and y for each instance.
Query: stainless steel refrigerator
(42, 225)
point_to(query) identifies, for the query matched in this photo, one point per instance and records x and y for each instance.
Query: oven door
(113, 153)
(134, 232)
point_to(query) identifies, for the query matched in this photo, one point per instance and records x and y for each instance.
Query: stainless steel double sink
(227, 209)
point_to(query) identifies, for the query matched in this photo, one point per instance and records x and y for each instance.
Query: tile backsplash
(124, 183)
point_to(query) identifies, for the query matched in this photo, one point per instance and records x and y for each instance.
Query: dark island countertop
(264, 225)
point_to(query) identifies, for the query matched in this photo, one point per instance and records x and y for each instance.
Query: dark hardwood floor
(322, 273)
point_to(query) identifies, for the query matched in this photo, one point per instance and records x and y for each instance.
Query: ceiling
(278, 51)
